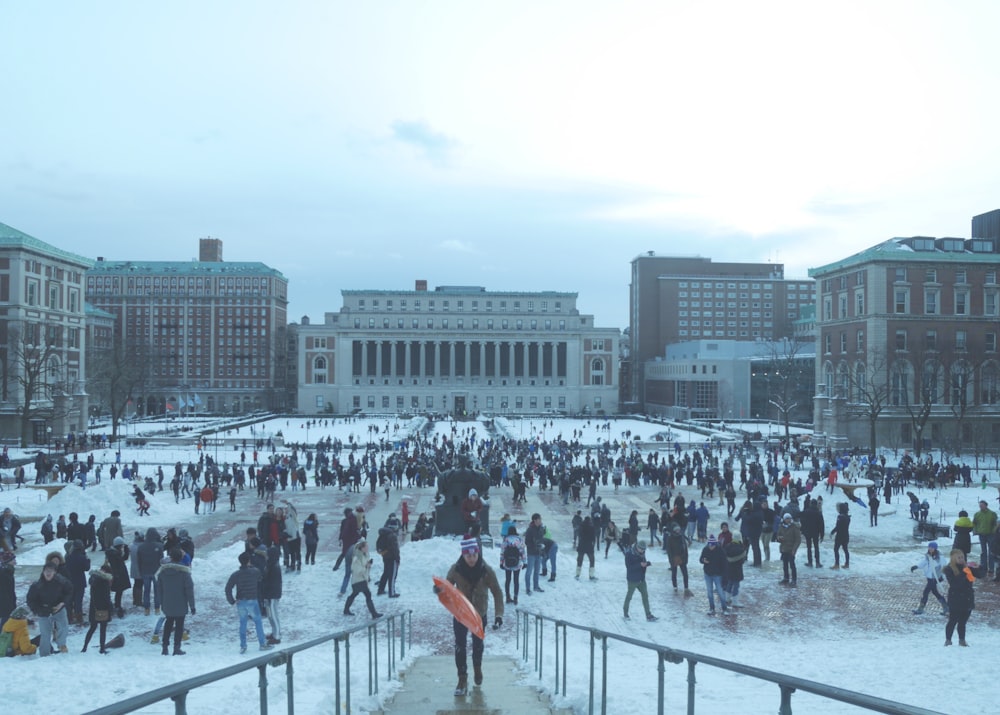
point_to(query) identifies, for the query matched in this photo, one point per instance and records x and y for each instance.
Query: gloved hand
(912, 569)
(192, 611)
(497, 623)
(437, 589)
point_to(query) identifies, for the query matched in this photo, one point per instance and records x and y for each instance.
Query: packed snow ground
(837, 651)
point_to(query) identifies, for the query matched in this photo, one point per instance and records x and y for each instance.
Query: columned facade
(461, 351)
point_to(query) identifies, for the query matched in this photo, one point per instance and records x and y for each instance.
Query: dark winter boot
(477, 674)
(463, 685)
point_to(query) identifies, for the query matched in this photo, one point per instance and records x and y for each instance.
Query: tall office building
(679, 299)
(211, 331)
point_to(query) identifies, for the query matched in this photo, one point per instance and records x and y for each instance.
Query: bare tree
(118, 374)
(36, 366)
(869, 392)
(788, 380)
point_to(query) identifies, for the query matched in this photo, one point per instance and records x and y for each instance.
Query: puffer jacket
(150, 554)
(44, 595)
(177, 589)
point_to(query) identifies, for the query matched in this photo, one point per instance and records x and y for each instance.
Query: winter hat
(20, 613)
(183, 533)
(712, 541)
(640, 547)
(470, 546)
(932, 545)
(119, 541)
(473, 494)
(787, 516)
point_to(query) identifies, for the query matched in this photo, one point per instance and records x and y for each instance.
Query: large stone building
(42, 355)
(907, 345)
(677, 299)
(212, 333)
(457, 349)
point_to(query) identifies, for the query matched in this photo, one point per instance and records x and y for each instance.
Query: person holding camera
(361, 566)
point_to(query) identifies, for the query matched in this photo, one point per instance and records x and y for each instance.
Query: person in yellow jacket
(17, 626)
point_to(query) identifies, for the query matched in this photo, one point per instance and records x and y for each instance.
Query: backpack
(511, 556)
(6, 644)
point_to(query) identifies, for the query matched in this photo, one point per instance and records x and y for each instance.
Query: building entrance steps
(428, 687)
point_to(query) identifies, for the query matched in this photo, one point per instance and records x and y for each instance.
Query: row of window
(730, 323)
(684, 332)
(931, 341)
(961, 384)
(459, 304)
(492, 403)
(902, 275)
(444, 324)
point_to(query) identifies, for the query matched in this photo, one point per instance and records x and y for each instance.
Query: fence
(531, 634)
(396, 627)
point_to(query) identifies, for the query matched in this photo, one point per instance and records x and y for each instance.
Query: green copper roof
(897, 250)
(12, 238)
(184, 268)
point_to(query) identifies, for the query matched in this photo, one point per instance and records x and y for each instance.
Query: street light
(48, 439)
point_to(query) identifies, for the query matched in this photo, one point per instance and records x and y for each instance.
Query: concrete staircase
(428, 687)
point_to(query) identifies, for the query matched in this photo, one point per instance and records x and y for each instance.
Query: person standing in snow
(789, 539)
(635, 574)
(961, 597)
(930, 567)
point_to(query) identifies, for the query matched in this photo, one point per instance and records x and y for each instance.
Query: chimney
(210, 250)
(421, 285)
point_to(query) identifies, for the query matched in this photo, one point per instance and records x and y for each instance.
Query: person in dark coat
(310, 530)
(348, 535)
(387, 546)
(74, 529)
(150, 554)
(585, 548)
(677, 552)
(8, 598)
(118, 557)
(751, 518)
(736, 555)
(963, 533)
(100, 606)
(961, 597)
(174, 582)
(812, 527)
(270, 592)
(713, 560)
(48, 598)
(841, 536)
(77, 566)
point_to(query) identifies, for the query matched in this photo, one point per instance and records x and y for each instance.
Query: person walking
(635, 575)
(930, 567)
(534, 547)
(961, 597)
(841, 534)
(812, 527)
(310, 529)
(243, 591)
(48, 598)
(677, 553)
(789, 540)
(514, 560)
(476, 580)
(270, 593)
(736, 556)
(360, 566)
(100, 606)
(150, 554)
(713, 560)
(176, 587)
(585, 548)
(348, 536)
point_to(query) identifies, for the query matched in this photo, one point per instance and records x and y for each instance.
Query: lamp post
(48, 439)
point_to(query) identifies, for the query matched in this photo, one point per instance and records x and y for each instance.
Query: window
(899, 275)
(991, 277)
(597, 371)
(961, 340)
(961, 276)
(930, 340)
(842, 305)
(962, 302)
(900, 340)
(859, 303)
(861, 341)
(860, 383)
(901, 300)
(930, 275)
(843, 342)
(990, 302)
(827, 343)
(899, 385)
(990, 342)
(931, 301)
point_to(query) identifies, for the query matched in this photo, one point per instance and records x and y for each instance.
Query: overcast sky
(513, 145)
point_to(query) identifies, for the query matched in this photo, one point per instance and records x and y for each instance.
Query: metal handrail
(178, 692)
(787, 684)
